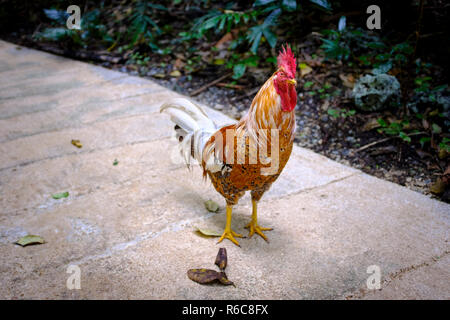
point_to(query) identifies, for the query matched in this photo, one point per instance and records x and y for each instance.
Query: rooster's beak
(292, 81)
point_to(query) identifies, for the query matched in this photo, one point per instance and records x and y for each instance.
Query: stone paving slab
(130, 227)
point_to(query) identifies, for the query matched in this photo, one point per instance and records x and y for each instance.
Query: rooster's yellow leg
(253, 225)
(228, 233)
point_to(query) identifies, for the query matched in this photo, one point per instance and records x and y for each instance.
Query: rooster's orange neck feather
(266, 113)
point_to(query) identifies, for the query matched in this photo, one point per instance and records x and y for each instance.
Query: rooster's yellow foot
(230, 234)
(254, 228)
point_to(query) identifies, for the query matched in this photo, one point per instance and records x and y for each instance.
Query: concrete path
(130, 227)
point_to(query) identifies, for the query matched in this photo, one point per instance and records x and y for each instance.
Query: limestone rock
(376, 92)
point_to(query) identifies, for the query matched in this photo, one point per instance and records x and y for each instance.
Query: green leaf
(115, 163)
(58, 15)
(322, 3)
(262, 2)
(54, 34)
(60, 195)
(342, 23)
(444, 145)
(29, 240)
(382, 57)
(255, 39)
(157, 6)
(270, 37)
(382, 122)
(403, 47)
(376, 45)
(333, 112)
(404, 137)
(290, 5)
(436, 129)
(238, 71)
(272, 18)
(424, 140)
(251, 61)
(308, 84)
(211, 23)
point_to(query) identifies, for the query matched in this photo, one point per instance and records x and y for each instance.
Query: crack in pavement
(391, 277)
(306, 190)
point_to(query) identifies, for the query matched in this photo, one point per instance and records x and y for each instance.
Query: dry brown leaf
(442, 154)
(226, 38)
(77, 143)
(178, 64)
(224, 280)
(423, 154)
(371, 124)
(203, 276)
(325, 105)
(348, 81)
(221, 259)
(438, 187)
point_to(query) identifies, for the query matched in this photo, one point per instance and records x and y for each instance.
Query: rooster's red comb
(286, 60)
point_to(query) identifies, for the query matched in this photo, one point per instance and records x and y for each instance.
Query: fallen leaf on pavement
(208, 232)
(60, 195)
(29, 240)
(221, 259)
(211, 206)
(204, 276)
(77, 143)
(224, 280)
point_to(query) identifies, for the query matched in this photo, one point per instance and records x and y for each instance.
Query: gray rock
(376, 92)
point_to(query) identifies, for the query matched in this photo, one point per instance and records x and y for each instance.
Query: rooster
(248, 155)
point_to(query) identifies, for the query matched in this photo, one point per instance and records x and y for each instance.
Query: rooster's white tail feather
(192, 125)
